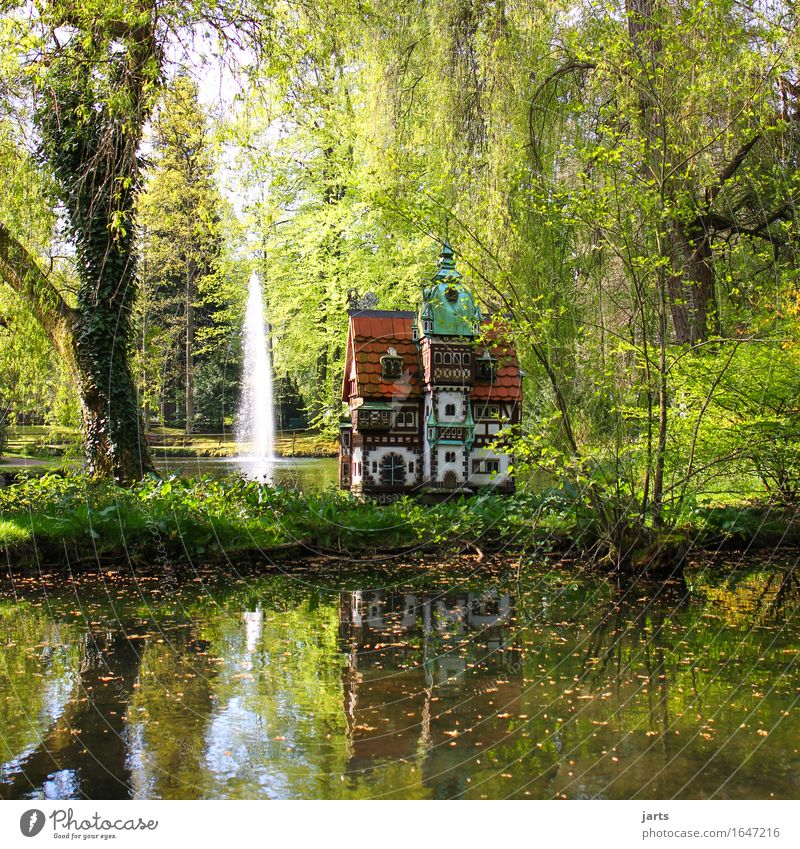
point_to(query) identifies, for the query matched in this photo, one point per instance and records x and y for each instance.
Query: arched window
(457, 358)
(487, 367)
(447, 358)
(437, 357)
(404, 419)
(391, 366)
(393, 470)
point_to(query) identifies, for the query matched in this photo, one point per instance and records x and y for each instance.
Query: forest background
(619, 180)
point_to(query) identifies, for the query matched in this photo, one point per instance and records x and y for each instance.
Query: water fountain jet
(255, 432)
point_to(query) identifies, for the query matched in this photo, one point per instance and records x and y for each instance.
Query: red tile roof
(371, 335)
(373, 332)
(507, 385)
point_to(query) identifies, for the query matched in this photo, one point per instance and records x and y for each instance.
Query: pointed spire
(447, 265)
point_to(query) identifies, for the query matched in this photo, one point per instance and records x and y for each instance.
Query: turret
(448, 308)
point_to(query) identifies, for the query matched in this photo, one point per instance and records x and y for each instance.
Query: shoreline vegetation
(166, 524)
(40, 442)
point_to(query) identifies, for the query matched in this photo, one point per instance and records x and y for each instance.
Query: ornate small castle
(428, 394)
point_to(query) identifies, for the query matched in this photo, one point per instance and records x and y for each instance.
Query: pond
(303, 473)
(410, 680)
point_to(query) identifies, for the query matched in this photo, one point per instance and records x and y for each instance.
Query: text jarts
(649, 817)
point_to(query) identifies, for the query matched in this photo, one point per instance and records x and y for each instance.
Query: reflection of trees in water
(83, 753)
(38, 666)
(627, 655)
(555, 687)
(676, 698)
(628, 638)
(132, 721)
(168, 715)
(759, 597)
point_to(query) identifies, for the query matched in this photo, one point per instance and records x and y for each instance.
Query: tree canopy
(619, 181)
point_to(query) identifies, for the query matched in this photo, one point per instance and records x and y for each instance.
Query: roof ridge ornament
(357, 303)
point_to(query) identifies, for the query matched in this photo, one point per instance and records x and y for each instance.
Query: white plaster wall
(375, 455)
(426, 449)
(355, 460)
(373, 610)
(489, 479)
(483, 620)
(443, 467)
(410, 608)
(450, 397)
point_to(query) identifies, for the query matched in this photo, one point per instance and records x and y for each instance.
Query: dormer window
(391, 365)
(451, 293)
(486, 367)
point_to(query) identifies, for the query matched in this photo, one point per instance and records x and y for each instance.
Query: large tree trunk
(95, 100)
(113, 428)
(690, 285)
(95, 354)
(103, 330)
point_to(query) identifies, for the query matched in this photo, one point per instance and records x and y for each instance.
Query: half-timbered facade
(428, 395)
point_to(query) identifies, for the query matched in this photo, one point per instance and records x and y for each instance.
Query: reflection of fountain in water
(255, 432)
(253, 626)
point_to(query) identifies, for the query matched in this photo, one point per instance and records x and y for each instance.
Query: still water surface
(433, 682)
(302, 473)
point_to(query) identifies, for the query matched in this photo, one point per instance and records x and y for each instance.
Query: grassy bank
(175, 521)
(171, 442)
(184, 519)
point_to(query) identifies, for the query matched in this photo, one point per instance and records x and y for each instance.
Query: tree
(305, 170)
(90, 74)
(179, 218)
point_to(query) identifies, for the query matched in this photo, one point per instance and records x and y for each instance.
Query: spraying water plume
(255, 432)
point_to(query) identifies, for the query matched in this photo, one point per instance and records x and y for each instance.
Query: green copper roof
(447, 264)
(448, 308)
(375, 405)
(468, 425)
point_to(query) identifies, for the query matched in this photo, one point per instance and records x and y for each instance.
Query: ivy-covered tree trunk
(114, 433)
(93, 102)
(85, 338)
